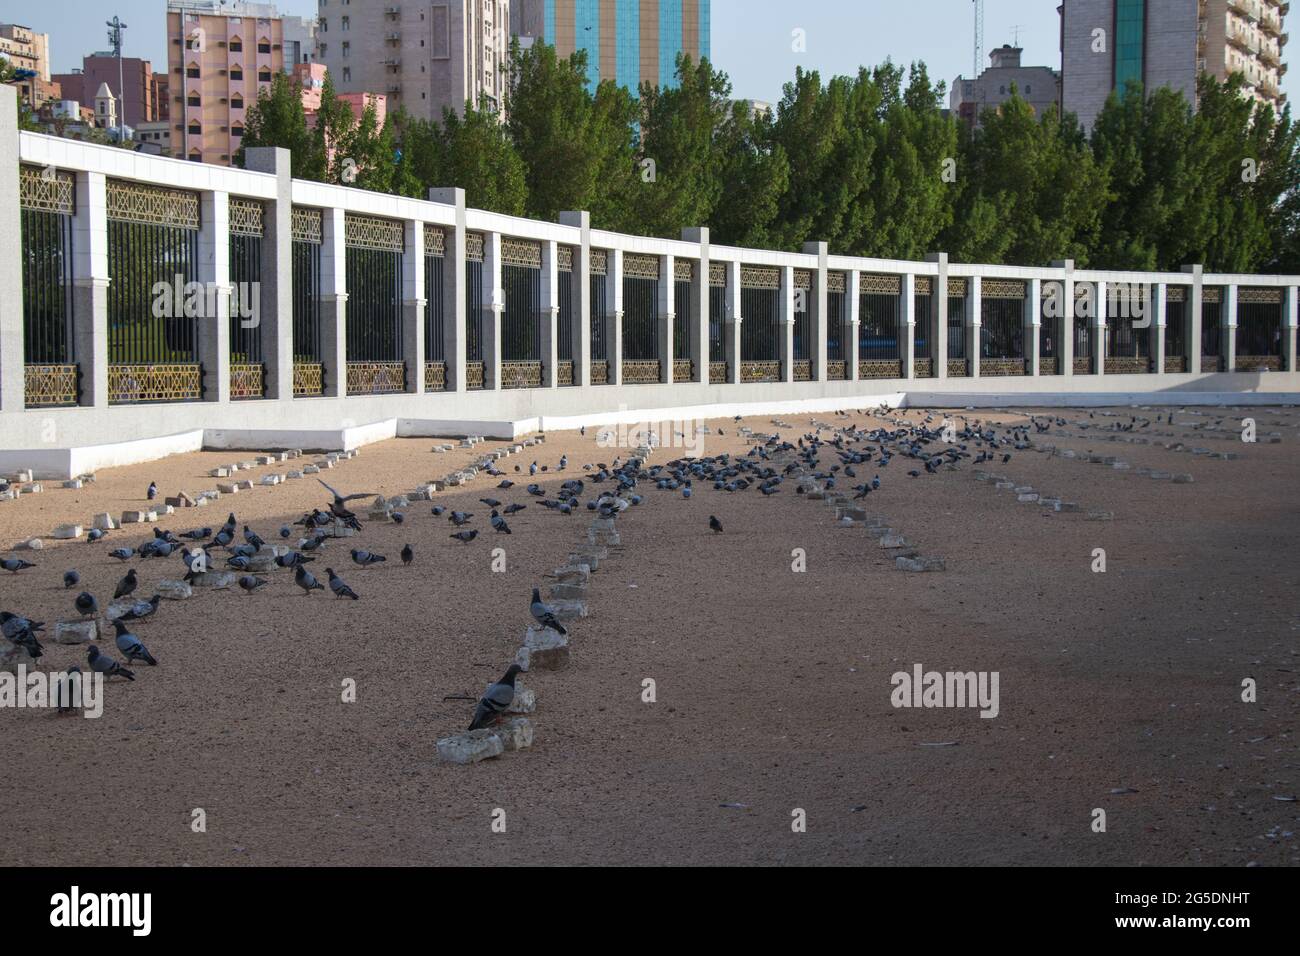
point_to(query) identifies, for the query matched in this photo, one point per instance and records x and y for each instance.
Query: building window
(264, 75)
(236, 102)
(192, 99)
(1130, 29)
(196, 156)
(236, 131)
(192, 71)
(347, 74)
(236, 72)
(264, 45)
(347, 23)
(195, 129)
(347, 47)
(236, 45)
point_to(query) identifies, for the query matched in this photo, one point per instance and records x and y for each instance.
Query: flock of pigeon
(844, 458)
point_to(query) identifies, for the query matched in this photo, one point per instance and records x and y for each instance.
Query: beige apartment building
(1169, 43)
(424, 56)
(25, 49)
(219, 57)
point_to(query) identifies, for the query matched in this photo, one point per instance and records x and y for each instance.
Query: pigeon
(196, 562)
(292, 559)
(95, 534)
(543, 614)
(515, 509)
(223, 537)
(71, 579)
(304, 579)
(506, 483)
(131, 646)
(407, 555)
(339, 586)
(466, 536)
(499, 523)
(398, 517)
(239, 562)
(126, 585)
(14, 565)
(365, 558)
(285, 531)
(86, 604)
(459, 518)
(495, 700)
(64, 703)
(152, 493)
(564, 462)
(142, 609)
(103, 664)
(198, 534)
(715, 525)
(251, 583)
(252, 538)
(338, 507)
(438, 511)
(491, 502)
(22, 632)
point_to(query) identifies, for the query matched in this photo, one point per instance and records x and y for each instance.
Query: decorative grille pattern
(308, 378)
(247, 380)
(879, 285)
(1002, 289)
(640, 371)
(371, 232)
(760, 277)
(637, 266)
(142, 203)
(247, 217)
(837, 282)
(956, 287)
(599, 262)
(922, 285)
(435, 240)
(49, 385)
(564, 258)
(1259, 296)
(718, 274)
(521, 252)
(308, 225)
(47, 190)
(683, 270)
(128, 384)
(435, 376)
(376, 378)
(474, 246)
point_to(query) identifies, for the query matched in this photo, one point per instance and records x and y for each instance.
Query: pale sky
(751, 38)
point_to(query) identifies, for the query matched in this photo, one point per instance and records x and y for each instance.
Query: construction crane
(979, 37)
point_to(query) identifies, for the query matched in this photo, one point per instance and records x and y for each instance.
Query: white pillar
(614, 311)
(818, 316)
(974, 322)
(666, 301)
(1228, 348)
(700, 298)
(90, 287)
(852, 368)
(907, 311)
(13, 371)
(785, 329)
(549, 312)
(1066, 350)
(1158, 314)
(494, 301)
(455, 296)
(276, 300)
(214, 272)
(1290, 300)
(1195, 314)
(334, 302)
(582, 304)
(1099, 328)
(1033, 326)
(734, 319)
(939, 308)
(413, 303)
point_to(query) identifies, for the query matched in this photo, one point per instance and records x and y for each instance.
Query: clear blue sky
(751, 38)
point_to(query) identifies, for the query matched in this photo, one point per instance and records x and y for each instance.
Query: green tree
(327, 159)
(755, 176)
(474, 152)
(278, 119)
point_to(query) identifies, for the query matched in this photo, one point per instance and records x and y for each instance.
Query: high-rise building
(29, 53)
(1040, 86)
(1107, 43)
(220, 56)
(628, 41)
(425, 56)
(139, 103)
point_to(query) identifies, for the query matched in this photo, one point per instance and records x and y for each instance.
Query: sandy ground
(773, 687)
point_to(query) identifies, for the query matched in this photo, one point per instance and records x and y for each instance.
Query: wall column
(1066, 308)
(90, 287)
(1195, 310)
(614, 315)
(907, 312)
(581, 279)
(734, 319)
(334, 303)
(818, 314)
(701, 299)
(275, 303)
(854, 284)
(13, 372)
(550, 312)
(1289, 315)
(666, 304)
(785, 324)
(1229, 328)
(974, 322)
(939, 306)
(494, 301)
(414, 298)
(214, 273)
(1157, 315)
(1033, 326)
(1099, 327)
(454, 294)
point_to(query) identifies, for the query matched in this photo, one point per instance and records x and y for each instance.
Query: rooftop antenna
(115, 28)
(979, 36)
(1016, 32)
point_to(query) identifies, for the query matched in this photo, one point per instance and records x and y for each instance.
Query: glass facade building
(628, 41)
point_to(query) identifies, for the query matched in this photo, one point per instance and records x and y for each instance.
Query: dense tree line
(869, 164)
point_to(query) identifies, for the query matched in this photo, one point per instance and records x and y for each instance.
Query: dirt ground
(1118, 690)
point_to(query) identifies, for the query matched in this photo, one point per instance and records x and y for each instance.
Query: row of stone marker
(543, 648)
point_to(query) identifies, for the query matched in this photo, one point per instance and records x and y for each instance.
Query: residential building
(220, 56)
(26, 49)
(628, 41)
(1107, 43)
(1005, 75)
(299, 40)
(154, 136)
(425, 56)
(134, 84)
